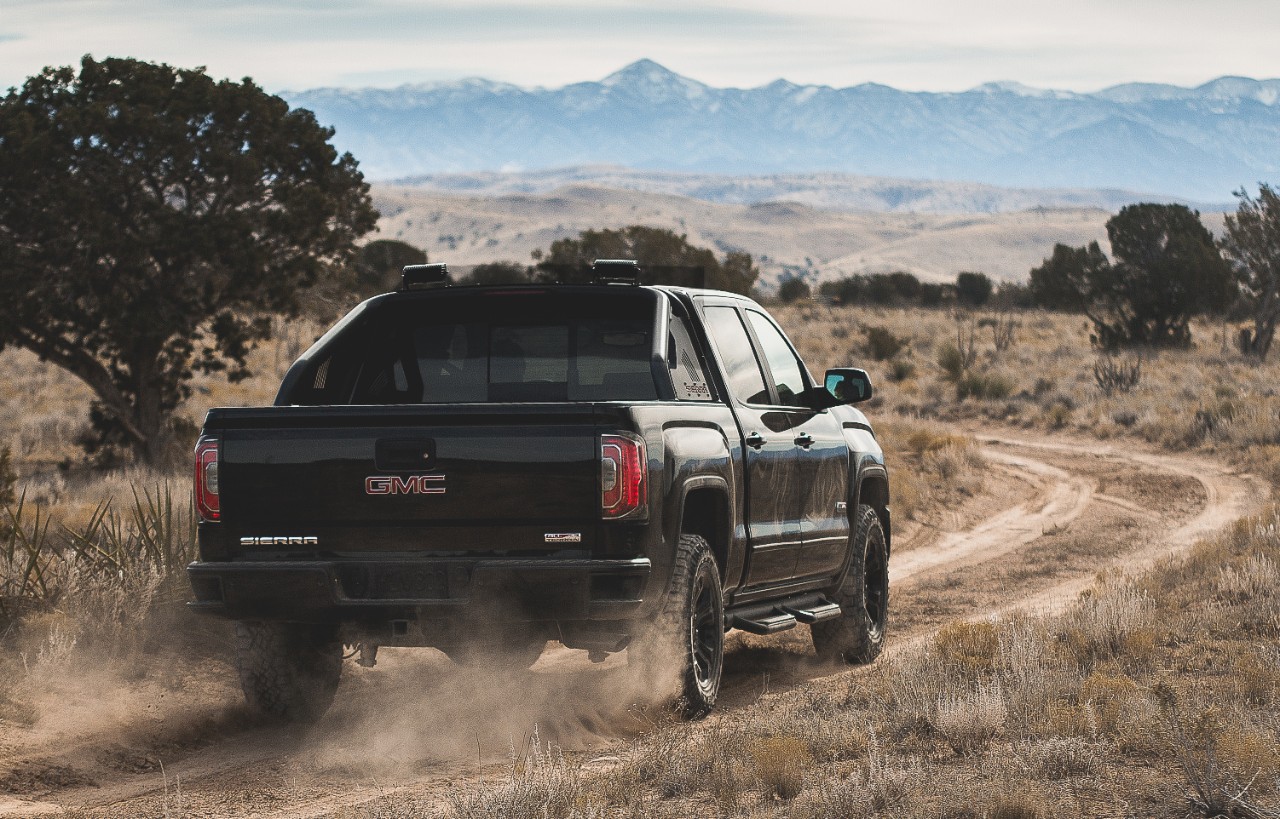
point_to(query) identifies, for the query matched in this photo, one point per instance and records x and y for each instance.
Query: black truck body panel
(406, 521)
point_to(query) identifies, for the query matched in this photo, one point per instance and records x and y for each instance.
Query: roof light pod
(615, 271)
(413, 276)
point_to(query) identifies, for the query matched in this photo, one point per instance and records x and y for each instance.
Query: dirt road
(1053, 512)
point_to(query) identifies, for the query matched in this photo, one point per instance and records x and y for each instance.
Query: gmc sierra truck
(483, 469)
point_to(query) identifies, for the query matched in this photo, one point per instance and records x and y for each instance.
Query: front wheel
(687, 640)
(288, 671)
(858, 635)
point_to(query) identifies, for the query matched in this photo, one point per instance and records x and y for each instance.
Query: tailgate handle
(412, 455)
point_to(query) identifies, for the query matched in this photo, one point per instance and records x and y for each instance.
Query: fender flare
(723, 547)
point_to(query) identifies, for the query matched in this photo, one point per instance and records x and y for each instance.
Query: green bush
(900, 369)
(881, 344)
(985, 386)
(953, 362)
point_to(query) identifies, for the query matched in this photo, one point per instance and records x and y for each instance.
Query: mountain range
(1199, 144)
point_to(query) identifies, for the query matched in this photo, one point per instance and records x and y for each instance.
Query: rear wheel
(858, 635)
(687, 641)
(288, 671)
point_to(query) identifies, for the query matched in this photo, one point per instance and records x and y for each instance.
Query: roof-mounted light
(615, 271)
(423, 275)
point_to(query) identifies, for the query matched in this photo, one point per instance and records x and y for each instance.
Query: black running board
(770, 618)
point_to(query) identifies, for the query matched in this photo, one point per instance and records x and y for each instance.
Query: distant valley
(787, 238)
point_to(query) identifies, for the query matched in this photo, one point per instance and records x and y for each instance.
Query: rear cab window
(486, 346)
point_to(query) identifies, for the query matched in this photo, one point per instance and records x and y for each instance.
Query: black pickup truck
(484, 469)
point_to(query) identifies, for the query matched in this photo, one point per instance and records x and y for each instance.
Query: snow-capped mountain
(1198, 143)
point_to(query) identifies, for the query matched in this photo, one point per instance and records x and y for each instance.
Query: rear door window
(783, 364)
(734, 345)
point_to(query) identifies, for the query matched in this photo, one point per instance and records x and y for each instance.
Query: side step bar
(768, 623)
(816, 613)
(770, 618)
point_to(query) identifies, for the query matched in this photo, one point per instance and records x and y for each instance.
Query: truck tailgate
(417, 477)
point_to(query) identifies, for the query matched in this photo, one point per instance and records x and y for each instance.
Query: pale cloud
(911, 44)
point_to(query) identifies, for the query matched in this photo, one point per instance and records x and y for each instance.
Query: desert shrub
(1108, 696)
(541, 784)
(1257, 576)
(879, 789)
(780, 763)
(1058, 414)
(1105, 621)
(794, 289)
(1124, 418)
(109, 575)
(953, 469)
(968, 721)
(830, 729)
(1002, 330)
(678, 763)
(955, 361)
(900, 369)
(1114, 376)
(1221, 759)
(1013, 806)
(1063, 757)
(1255, 678)
(908, 493)
(971, 646)
(985, 386)
(881, 344)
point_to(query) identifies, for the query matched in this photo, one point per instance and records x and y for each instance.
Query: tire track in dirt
(1023, 556)
(1229, 496)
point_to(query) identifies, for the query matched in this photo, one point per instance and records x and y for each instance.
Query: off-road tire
(288, 671)
(858, 635)
(688, 632)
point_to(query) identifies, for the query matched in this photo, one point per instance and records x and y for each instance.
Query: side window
(783, 364)
(687, 375)
(743, 373)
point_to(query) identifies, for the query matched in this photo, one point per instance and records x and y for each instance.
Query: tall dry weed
(970, 719)
(541, 783)
(1108, 621)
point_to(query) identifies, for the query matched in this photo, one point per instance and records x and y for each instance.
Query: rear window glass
(492, 348)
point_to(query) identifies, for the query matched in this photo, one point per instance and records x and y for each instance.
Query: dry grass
(1017, 717)
(948, 369)
(1152, 697)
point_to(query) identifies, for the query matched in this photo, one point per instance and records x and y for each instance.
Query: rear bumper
(463, 589)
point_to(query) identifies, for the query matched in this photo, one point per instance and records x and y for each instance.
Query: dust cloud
(417, 709)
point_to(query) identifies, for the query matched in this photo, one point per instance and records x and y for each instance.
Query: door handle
(755, 440)
(805, 440)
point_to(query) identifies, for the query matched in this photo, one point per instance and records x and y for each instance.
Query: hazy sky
(931, 45)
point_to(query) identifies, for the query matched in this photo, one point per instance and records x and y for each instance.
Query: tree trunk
(151, 445)
(1264, 330)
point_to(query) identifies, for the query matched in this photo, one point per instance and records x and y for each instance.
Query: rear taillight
(208, 505)
(624, 488)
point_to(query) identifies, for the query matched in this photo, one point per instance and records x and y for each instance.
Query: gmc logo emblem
(410, 485)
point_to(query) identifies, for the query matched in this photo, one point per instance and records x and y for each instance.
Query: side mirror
(846, 385)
